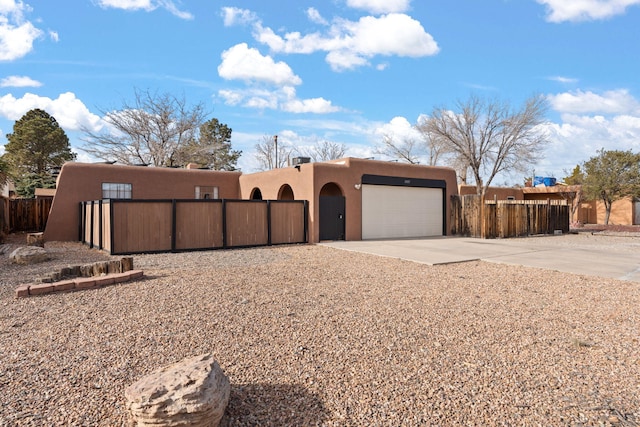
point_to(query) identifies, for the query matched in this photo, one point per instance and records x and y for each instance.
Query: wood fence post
(483, 219)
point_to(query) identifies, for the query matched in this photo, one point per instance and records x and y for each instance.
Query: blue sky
(347, 71)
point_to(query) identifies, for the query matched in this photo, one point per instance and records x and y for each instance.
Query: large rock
(35, 239)
(193, 392)
(28, 255)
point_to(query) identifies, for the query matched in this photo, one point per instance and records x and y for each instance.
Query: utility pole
(275, 139)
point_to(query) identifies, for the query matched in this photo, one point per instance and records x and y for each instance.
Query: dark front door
(332, 217)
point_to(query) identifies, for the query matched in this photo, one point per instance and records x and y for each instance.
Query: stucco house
(349, 198)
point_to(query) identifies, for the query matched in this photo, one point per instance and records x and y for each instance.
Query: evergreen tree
(576, 177)
(213, 147)
(4, 173)
(37, 146)
(611, 176)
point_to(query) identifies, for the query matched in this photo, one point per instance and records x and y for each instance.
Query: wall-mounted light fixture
(357, 186)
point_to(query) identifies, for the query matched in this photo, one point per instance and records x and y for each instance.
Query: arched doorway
(285, 192)
(332, 212)
(256, 194)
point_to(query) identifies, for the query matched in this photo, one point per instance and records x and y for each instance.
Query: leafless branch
(489, 137)
(323, 150)
(152, 130)
(404, 149)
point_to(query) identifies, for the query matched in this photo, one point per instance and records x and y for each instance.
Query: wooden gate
(465, 215)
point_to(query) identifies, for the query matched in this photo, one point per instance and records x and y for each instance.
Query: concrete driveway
(590, 254)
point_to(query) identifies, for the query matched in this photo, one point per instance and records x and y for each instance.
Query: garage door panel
(397, 212)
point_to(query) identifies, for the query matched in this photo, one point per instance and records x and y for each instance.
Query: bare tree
(413, 147)
(323, 150)
(153, 130)
(461, 166)
(403, 148)
(435, 147)
(272, 153)
(490, 137)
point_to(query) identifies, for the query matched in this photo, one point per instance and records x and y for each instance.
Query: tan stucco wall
(587, 212)
(79, 182)
(621, 212)
(499, 193)
(308, 181)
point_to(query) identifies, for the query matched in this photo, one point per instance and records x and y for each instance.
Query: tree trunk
(607, 211)
(463, 176)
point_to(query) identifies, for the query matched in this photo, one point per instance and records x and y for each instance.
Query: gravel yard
(310, 335)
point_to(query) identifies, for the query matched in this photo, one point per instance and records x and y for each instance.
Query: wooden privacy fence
(4, 215)
(137, 226)
(507, 218)
(24, 214)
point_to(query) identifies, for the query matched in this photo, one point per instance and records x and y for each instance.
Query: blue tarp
(544, 180)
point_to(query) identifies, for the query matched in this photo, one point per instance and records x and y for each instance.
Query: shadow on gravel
(273, 405)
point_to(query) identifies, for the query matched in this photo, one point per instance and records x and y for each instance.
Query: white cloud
(68, 110)
(380, 6)
(19, 81)
(236, 16)
(350, 44)
(578, 138)
(284, 99)
(314, 16)
(585, 10)
(341, 60)
(313, 105)
(15, 8)
(173, 9)
(393, 34)
(564, 80)
(16, 34)
(398, 127)
(611, 102)
(252, 98)
(243, 63)
(146, 5)
(589, 122)
(128, 4)
(53, 35)
(231, 97)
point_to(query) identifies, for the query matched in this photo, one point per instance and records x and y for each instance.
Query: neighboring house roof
(45, 192)
(4, 190)
(554, 189)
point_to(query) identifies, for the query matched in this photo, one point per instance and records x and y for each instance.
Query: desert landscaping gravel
(310, 335)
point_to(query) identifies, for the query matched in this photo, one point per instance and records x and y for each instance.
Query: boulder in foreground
(193, 392)
(27, 255)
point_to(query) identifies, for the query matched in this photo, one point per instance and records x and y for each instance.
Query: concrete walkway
(602, 256)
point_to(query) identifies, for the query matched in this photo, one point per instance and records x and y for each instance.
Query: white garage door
(390, 211)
